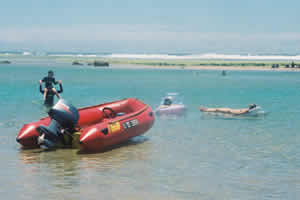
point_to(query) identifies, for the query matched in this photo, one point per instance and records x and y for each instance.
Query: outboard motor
(64, 117)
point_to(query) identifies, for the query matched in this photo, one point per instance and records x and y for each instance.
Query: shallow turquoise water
(195, 157)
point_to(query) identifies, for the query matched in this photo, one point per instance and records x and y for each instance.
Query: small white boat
(172, 105)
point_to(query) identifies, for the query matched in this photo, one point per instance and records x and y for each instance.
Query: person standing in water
(49, 80)
(50, 95)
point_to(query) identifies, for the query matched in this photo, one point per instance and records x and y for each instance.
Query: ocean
(198, 156)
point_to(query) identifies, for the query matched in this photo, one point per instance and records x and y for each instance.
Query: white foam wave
(73, 55)
(27, 53)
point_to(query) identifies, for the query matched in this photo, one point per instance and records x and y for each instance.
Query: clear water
(196, 157)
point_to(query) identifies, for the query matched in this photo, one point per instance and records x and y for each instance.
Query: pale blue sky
(151, 26)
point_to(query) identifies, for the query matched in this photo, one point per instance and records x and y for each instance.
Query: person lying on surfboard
(229, 110)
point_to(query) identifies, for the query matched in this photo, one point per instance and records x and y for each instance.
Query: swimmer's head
(168, 101)
(251, 106)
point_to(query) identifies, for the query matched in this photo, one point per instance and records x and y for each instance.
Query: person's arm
(60, 88)
(55, 82)
(41, 90)
(245, 111)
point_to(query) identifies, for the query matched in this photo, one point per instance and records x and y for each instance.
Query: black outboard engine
(64, 117)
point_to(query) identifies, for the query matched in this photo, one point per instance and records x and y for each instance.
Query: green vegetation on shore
(4, 62)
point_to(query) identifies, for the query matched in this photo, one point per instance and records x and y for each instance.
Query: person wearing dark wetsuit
(50, 95)
(49, 80)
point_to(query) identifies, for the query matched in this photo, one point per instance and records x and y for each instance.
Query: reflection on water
(106, 160)
(65, 169)
(118, 154)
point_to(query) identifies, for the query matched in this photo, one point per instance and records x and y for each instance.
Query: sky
(152, 26)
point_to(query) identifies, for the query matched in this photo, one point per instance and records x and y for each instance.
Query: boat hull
(111, 132)
(177, 110)
(135, 118)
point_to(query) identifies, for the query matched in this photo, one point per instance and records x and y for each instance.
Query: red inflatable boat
(99, 126)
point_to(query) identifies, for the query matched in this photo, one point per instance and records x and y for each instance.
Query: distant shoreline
(182, 64)
(217, 68)
(200, 64)
(193, 64)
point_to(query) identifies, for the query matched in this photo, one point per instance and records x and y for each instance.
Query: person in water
(168, 101)
(50, 95)
(229, 110)
(49, 80)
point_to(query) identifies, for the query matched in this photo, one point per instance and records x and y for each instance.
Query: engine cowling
(64, 116)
